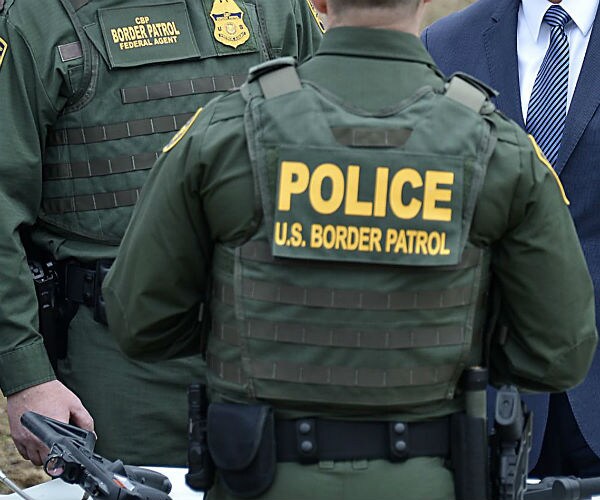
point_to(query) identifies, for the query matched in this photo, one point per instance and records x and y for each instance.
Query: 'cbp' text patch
(3, 49)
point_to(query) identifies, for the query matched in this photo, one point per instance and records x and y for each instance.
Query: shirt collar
(583, 13)
(374, 43)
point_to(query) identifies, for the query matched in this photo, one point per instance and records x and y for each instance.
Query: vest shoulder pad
(259, 70)
(471, 92)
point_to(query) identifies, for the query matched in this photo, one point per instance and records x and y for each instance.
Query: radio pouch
(241, 440)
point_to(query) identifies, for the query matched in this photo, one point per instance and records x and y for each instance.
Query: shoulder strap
(276, 77)
(84, 49)
(470, 92)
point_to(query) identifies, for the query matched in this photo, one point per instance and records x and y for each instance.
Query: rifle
(73, 460)
(563, 488)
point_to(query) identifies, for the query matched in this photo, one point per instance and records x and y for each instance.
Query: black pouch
(241, 440)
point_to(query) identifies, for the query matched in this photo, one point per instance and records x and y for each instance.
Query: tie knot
(556, 16)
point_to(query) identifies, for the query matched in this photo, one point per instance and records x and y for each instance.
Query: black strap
(89, 202)
(70, 51)
(114, 131)
(312, 440)
(83, 285)
(98, 167)
(205, 85)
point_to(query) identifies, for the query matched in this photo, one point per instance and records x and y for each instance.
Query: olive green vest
(139, 71)
(359, 290)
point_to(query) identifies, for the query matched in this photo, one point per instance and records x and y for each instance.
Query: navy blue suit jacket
(482, 40)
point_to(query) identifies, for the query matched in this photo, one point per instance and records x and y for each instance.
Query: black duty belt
(311, 440)
(83, 285)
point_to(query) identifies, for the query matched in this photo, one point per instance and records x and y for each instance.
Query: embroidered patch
(3, 49)
(181, 132)
(230, 28)
(315, 14)
(543, 159)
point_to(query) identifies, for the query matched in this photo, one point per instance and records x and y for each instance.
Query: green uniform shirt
(202, 191)
(34, 88)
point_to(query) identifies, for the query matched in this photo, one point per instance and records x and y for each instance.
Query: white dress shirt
(533, 38)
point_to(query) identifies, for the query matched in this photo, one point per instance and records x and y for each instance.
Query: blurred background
(22, 472)
(440, 8)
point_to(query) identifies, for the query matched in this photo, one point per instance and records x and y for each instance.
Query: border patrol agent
(90, 91)
(349, 218)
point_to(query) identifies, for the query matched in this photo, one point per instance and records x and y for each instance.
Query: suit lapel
(500, 42)
(586, 98)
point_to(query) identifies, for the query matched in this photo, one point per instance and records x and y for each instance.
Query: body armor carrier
(317, 322)
(137, 73)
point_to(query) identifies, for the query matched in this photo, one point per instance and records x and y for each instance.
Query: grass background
(25, 474)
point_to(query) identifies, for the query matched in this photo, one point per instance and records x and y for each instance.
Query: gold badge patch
(3, 47)
(181, 132)
(315, 14)
(230, 28)
(542, 158)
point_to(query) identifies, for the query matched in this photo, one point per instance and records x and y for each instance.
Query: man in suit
(515, 46)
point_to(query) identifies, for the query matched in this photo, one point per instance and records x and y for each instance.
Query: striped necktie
(547, 111)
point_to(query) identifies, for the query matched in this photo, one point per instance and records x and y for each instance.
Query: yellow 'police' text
(295, 178)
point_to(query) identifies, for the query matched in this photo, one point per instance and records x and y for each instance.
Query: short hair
(364, 4)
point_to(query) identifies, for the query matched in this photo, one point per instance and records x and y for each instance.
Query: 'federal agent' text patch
(3, 49)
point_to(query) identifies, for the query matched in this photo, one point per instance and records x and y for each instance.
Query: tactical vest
(360, 289)
(139, 71)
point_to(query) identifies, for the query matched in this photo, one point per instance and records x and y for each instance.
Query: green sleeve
(547, 293)
(26, 110)
(158, 283)
(309, 29)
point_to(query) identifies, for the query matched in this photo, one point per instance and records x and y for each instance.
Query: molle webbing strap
(97, 201)
(335, 298)
(260, 251)
(285, 371)
(114, 131)
(369, 137)
(413, 338)
(97, 167)
(180, 88)
(77, 4)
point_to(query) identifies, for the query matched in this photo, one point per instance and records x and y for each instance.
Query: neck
(377, 18)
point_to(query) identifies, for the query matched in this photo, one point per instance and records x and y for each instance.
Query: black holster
(241, 440)
(510, 445)
(54, 312)
(201, 469)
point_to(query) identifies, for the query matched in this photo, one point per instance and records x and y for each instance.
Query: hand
(51, 399)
